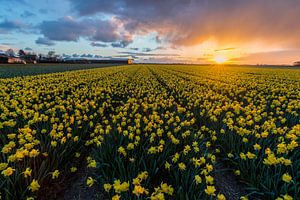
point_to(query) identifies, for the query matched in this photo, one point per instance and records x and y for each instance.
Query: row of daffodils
(152, 132)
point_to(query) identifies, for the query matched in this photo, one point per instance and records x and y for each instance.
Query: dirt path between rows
(78, 190)
(227, 183)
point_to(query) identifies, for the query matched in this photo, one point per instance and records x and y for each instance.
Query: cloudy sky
(188, 31)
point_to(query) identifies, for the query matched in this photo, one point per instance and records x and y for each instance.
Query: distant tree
(10, 52)
(22, 53)
(51, 54)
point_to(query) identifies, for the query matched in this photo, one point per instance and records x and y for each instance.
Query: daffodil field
(153, 131)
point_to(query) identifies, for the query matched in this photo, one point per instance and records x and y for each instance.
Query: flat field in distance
(13, 70)
(152, 132)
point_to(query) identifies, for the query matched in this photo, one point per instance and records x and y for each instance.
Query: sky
(171, 31)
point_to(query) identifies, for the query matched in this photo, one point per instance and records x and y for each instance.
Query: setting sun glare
(220, 59)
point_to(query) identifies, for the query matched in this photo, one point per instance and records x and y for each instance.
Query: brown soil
(72, 188)
(80, 191)
(227, 183)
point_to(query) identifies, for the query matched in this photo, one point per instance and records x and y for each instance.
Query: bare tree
(21, 53)
(10, 52)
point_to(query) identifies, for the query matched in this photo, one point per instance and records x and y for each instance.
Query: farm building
(11, 60)
(49, 59)
(3, 58)
(130, 61)
(28, 57)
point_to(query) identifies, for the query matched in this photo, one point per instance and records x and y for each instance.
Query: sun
(220, 59)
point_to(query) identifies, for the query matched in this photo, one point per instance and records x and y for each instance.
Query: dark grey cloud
(147, 49)
(161, 48)
(7, 26)
(145, 10)
(147, 54)
(86, 56)
(44, 41)
(121, 44)
(7, 43)
(66, 55)
(189, 22)
(65, 29)
(116, 45)
(134, 48)
(126, 40)
(97, 44)
(27, 14)
(28, 49)
(95, 30)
